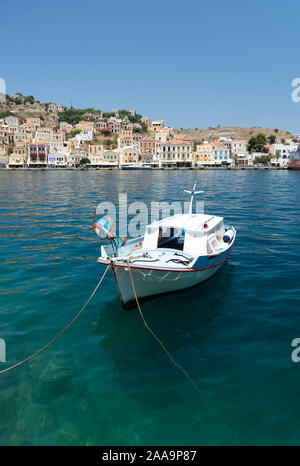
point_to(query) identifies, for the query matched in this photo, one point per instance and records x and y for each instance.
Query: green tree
(272, 139)
(257, 143)
(75, 131)
(84, 161)
(264, 160)
(105, 132)
(73, 116)
(277, 155)
(29, 99)
(6, 114)
(282, 141)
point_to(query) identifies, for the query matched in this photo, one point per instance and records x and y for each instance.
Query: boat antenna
(193, 192)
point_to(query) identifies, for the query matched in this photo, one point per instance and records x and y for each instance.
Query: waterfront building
(283, 149)
(203, 154)
(127, 155)
(57, 159)
(73, 160)
(37, 155)
(16, 160)
(150, 159)
(110, 158)
(238, 147)
(176, 153)
(148, 145)
(221, 156)
(241, 159)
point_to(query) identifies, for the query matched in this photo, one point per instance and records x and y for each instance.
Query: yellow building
(21, 150)
(95, 149)
(17, 160)
(204, 153)
(157, 125)
(110, 158)
(33, 122)
(128, 155)
(125, 140)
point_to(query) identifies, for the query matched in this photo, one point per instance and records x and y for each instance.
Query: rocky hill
(233, 132)
(24, 107)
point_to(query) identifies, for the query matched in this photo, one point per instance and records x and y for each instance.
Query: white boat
(176, 253)
(136, 166)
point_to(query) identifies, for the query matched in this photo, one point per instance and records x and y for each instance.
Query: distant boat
(136, 166)
(294, 161)
(176, 253)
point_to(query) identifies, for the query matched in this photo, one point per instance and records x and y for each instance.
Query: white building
(73, 160)
(57, 159)
(284, 149)
(221, 156)
(84, 136)
(238, 147)
(55, 107)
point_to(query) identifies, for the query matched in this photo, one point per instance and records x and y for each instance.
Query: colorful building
(176, 153)
(37, 155)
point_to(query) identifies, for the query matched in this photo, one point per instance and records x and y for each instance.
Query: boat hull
(151, 283)
(294, 164)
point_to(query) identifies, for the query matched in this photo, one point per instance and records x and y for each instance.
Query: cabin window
(170, 238)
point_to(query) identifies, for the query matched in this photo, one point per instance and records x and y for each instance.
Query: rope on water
(61, 333)
(175, 363)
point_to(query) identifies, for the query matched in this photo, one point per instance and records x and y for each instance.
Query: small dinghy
(176, 253)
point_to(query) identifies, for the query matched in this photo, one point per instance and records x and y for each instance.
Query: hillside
(25, 107)
(48, 119)
(233, 132)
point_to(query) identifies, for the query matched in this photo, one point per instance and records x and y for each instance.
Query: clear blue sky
(192, 63)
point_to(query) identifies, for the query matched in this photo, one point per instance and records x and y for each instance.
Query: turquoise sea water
(106, 381)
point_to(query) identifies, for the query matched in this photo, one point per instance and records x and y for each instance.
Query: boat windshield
(171, 238)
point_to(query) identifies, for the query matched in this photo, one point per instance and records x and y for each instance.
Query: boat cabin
(194, 234)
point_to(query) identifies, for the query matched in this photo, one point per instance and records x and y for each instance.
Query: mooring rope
(175, 363)
(61, 333)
